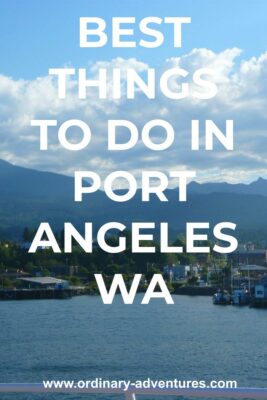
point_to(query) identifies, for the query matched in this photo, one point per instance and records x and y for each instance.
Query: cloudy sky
(225, 36)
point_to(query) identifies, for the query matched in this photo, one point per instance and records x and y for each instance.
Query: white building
(177, 272)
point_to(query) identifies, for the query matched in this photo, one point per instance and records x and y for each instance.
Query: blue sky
(228, 36)
(36, 34)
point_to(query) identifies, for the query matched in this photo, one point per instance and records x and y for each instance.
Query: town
(45, 274)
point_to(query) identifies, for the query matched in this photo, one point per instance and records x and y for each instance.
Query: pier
(36, 288)
(39, 293)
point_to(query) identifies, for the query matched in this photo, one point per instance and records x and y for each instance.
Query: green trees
(45, 262)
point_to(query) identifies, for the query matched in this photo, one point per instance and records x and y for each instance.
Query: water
(83, 339)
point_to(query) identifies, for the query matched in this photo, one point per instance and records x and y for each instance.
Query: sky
(226, 36)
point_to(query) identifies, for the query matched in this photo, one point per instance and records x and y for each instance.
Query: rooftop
(255, 251)
(44, 280)
(252, 268)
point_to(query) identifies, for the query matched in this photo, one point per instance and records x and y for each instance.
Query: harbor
(248, 287)
(75, 338)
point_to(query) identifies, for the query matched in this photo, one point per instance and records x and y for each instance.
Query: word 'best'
(93, 32)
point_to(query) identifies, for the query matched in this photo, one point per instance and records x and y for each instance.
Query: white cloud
(242, 96)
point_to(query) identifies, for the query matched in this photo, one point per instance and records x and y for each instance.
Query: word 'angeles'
(138, 238)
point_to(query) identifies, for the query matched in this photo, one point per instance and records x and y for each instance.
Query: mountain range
(29, 197)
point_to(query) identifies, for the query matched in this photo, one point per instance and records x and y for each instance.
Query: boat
(222, 297)
(240, 297)
(259, 299)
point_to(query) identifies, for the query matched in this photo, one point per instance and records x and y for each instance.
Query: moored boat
(222, 297)
(240, 297)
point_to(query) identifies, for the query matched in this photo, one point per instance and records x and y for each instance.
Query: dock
(195, 290)
(40, 293)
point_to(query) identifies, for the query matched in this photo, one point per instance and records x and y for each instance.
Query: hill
(29, 197)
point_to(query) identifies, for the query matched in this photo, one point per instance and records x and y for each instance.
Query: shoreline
(39, 294)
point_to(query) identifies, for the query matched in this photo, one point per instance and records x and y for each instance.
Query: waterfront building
(249, 257)
(179, 271)
(44, 282)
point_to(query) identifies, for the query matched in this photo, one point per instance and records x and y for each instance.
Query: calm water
(81, 339)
